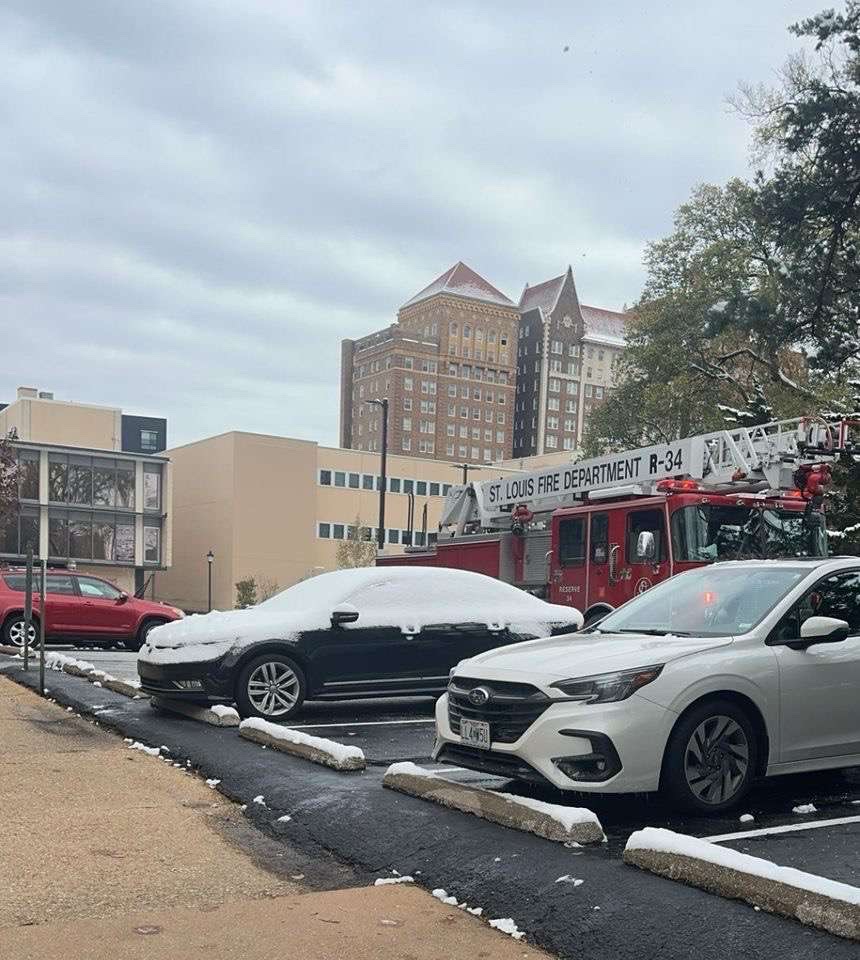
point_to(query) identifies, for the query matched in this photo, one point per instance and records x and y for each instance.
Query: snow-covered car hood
(209, 635)
(582, 655)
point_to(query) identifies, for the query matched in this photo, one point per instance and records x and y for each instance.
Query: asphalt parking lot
(352, 818)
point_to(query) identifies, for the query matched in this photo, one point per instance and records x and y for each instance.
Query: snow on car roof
(454, 588)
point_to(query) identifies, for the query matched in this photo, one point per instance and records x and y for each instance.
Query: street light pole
(465, 467)
(383, 475)
(210, 559)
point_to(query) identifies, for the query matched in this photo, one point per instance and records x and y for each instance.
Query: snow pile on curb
(88, 671)
(224, 712)
(390, 881)
(59, 661)
(329, 753)
(813, 900)
(568, 817)
(551, 821)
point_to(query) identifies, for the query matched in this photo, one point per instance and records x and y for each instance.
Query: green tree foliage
(751, 307)
(246, 593)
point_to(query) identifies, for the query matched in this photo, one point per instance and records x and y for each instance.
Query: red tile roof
(462, 281)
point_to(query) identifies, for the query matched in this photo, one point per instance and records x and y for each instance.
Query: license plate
(476, 733)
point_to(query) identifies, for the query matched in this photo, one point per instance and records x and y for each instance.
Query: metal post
(424, 525)
(210, 559)
(42, 616)
(410, 518)
(383, 473)
(28, 605)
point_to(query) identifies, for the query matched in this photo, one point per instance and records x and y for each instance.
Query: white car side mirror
(823, 630)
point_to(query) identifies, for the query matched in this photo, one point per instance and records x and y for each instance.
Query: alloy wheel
(273, 689)
(16, 634)
(716, 760)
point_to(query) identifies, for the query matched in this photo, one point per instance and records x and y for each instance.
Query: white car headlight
(609, 687)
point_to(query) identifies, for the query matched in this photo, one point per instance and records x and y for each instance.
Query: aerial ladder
(768, 460)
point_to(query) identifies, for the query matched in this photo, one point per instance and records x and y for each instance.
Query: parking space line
(361, 723)
(785, 828)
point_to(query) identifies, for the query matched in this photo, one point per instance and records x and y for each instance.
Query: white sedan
(707, 681)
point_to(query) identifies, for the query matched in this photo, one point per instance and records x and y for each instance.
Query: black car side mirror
(820, 630)
(122, 598)
(343, 615)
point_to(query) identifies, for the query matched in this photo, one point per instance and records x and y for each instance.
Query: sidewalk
(108, 852)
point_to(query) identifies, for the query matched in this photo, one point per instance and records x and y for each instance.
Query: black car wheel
(139, 639)
(711, 758)
(271, 686)
(13, 632)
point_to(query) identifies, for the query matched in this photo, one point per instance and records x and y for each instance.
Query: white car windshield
(705, 603)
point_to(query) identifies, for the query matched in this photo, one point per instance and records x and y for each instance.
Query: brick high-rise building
(566, 354)
(448, 369)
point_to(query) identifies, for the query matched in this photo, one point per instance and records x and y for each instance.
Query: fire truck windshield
(710, 601)
(706, 532)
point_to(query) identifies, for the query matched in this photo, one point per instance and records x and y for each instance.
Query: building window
(452, 329)
(434, 489)
(551, 442)
(20, 531)
(554, 385)
(567, 443)
(394, 536)
(406, 443)
(152, 487)
(552, 423)
(406, 423)
(407, 383)
(337, 531)
(325, 478)
(324, 531)
(407, 404)
(449, 449)
(366, 481)
(553, 403)
(339, 478)
(588, 389)
(394, 484)
(149, 441)
(354, 481)
(28, 475)
(452, 389)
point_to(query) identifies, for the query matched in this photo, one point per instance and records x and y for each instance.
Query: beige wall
(69, 424)
(256, 502)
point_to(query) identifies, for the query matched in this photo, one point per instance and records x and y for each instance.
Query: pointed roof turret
(462, 281)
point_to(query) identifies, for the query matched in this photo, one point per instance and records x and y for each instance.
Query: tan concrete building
(277, 508)
(566, 358)
(447, 367)
(89, 495)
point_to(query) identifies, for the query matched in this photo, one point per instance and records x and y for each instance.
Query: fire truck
(595, 533)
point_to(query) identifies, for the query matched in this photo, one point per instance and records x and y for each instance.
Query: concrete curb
(303, 750)
(9, 651)
(809, 907)
(203, 714)
(504, 809)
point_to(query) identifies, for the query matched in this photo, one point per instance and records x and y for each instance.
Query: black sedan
(368, 632)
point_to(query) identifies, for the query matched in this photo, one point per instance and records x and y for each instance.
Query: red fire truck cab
(598, 554)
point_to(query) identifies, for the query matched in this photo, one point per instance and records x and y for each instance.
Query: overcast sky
(200, 198)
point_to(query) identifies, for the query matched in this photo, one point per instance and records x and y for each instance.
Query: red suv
(79, 607)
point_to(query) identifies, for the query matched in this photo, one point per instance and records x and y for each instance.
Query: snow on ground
(746, 818)
(284, 819)
(567, 878)
(338, 751)
(151, 751)
(666, 841)
(57, 661)
(409, 768)
(805, 808)
(507, 925)
(440, 894)
(390, 881)
(212, 783)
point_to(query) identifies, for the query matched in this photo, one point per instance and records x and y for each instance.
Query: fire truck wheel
(711, 757)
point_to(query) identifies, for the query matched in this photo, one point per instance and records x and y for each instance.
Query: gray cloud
(201, 198)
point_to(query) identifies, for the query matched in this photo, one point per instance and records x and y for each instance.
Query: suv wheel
(271, 686)
(13, 632)
(711, 758)
(139, 639)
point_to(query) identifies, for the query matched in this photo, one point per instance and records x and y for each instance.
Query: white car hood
(582, 655)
